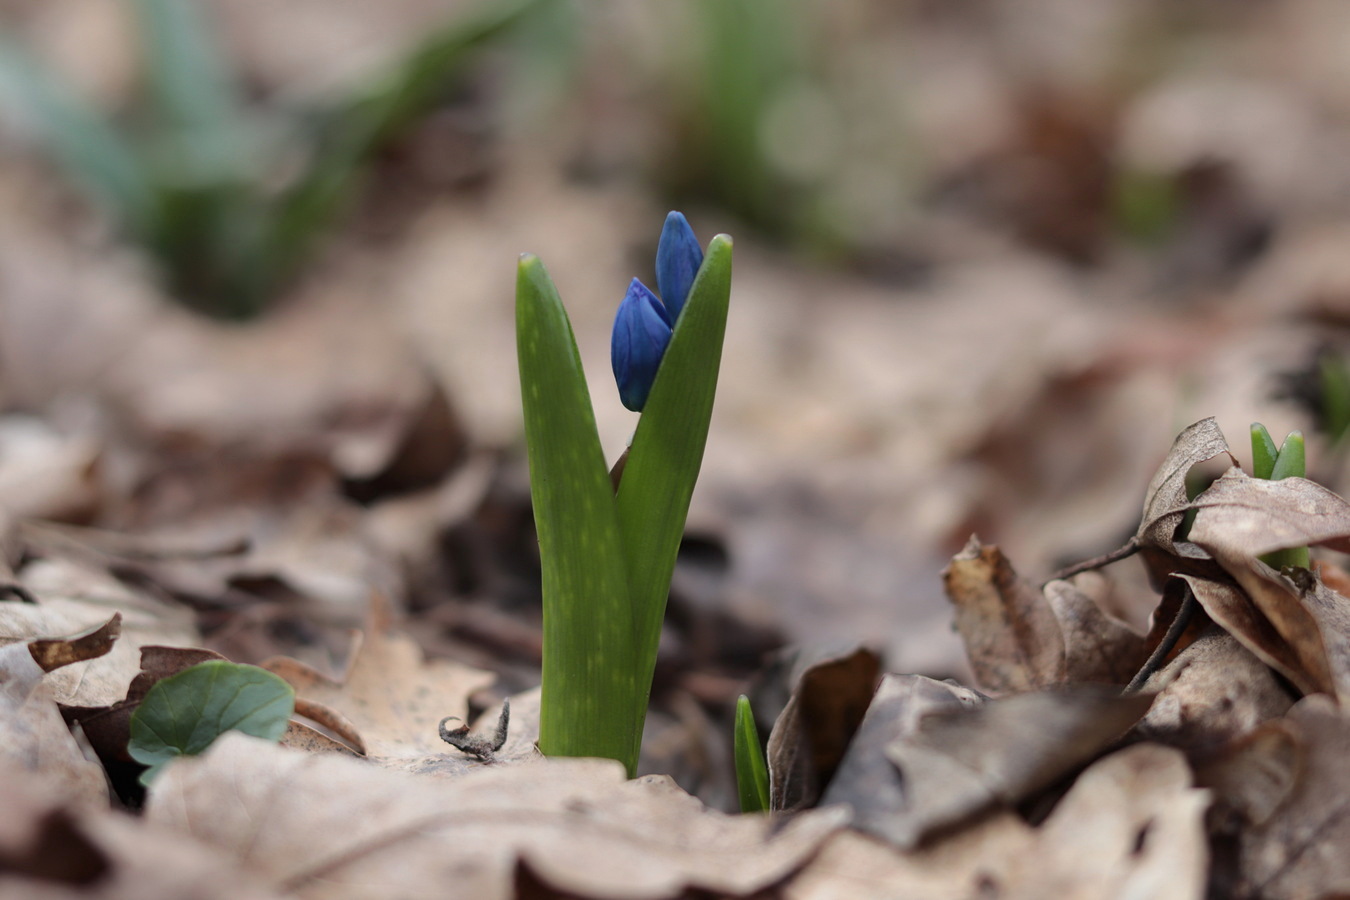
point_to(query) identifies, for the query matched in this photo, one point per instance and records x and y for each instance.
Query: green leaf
(1292, 461)
(1264, 451)
(590, 680)
(182, 714)
(752, 774)
(91, 151)
(667, 451)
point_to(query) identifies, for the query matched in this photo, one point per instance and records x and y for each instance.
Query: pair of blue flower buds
(643, 325)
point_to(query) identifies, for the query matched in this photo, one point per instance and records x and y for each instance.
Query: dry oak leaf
(331, 827)
(1012, 637)
(1131, 826)
(391, 699)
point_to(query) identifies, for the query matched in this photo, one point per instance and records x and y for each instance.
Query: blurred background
(257, 267)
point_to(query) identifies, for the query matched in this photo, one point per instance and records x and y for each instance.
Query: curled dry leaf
(332, 827)
(867, 780)
(810, 736)
(393, 699)
(1098, 648)
(1131, 826)
(1233, 611)
(1165, 500)
(1214, 692)
(1012, 637)
(1238, 520)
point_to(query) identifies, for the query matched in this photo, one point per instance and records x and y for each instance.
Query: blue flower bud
(678, 257)
(641, 333)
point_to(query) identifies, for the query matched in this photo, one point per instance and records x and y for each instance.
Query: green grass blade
(91, 151)
(1335, 383)
(667, 451)
(752, 774)
(590, 682)
(196, 100)
(1264, 451)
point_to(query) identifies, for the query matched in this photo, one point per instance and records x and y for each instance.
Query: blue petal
(641, 333)
(678, 257)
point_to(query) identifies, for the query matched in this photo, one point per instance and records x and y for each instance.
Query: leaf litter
(240, 495)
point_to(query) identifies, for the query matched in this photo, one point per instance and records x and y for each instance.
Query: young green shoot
(1289, 461)
(752, 774)
(607, 556)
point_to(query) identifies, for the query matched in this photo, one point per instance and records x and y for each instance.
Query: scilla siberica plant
(608, 551)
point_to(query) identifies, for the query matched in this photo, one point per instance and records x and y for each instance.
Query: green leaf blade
(183, 714)
(590, 681)
(1264, 451)
(752, 773)
(667, 452)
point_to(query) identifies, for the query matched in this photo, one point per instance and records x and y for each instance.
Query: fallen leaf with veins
(1012, 637)
(332, 827)
(392, 697)
(1132, 825)
(1166, 503)
(1214, 692)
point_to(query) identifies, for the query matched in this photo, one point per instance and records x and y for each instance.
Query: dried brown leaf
(1241, 518)
(1012, 637)
(53, 653)
(1097, 647)
(1165, 501)
(1214, 692)
(960, 763)
(75, 597)
(393, 698)
(867, 780)
(332, 827)
(53, 850)
(33, 736)
(1233, 610)
(1131, 826)
(810, 736)
(1293, 844)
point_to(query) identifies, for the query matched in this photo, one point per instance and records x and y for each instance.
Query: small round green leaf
(181, 715)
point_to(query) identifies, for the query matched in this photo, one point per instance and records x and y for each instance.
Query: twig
(483, 748)
(1130, 549)
(1174, 631)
